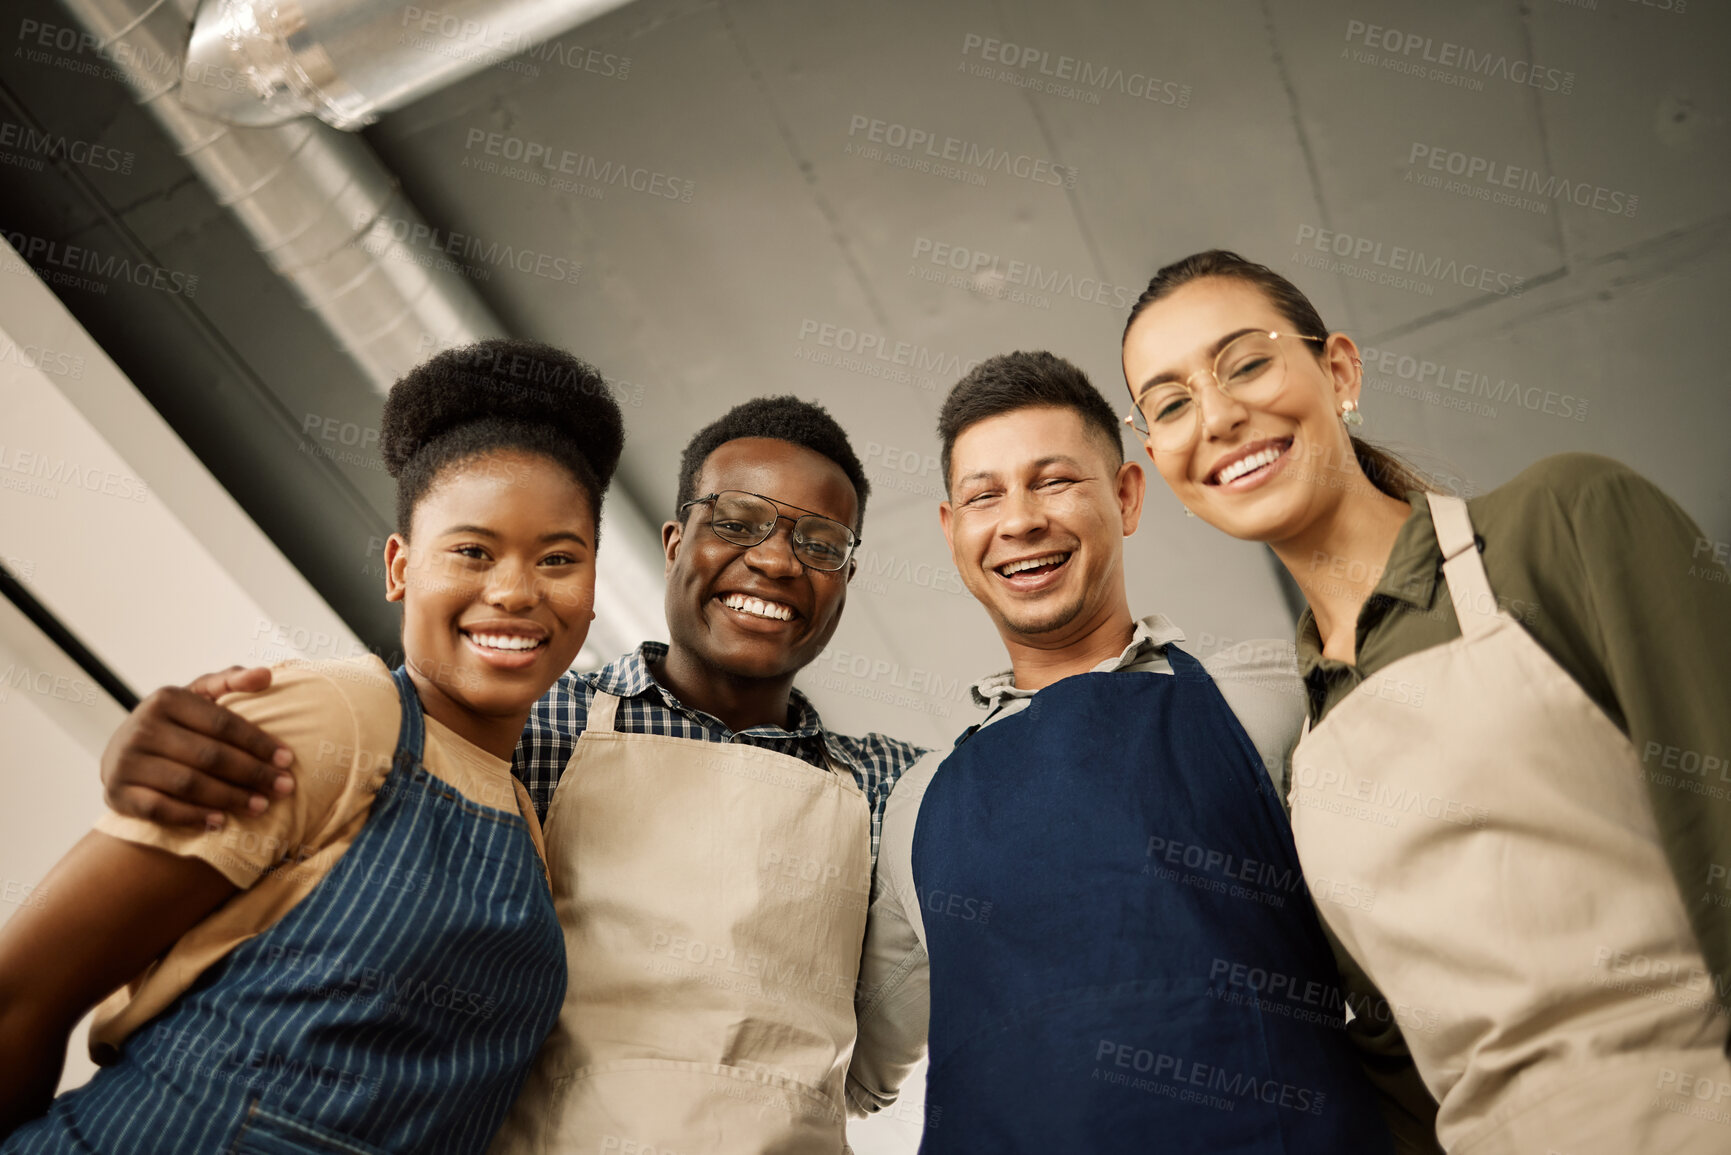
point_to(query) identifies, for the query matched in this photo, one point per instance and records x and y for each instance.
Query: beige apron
(1478, 834)
(713, 898)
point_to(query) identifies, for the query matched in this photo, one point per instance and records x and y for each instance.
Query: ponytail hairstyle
(500, 395)
(1383, 469)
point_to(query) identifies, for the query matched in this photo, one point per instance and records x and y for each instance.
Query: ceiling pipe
(346, 61)
(329, 217)
(320, 206)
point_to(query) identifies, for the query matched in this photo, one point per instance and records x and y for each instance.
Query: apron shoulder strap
(1469, 588)
(1184, 663)
(412, 734)
(842, 768)
(603, 709)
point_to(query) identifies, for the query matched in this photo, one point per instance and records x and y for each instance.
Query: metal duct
(262, 62)
(321, 207)
(329, 217)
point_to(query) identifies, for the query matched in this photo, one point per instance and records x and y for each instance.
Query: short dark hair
(783, 418)
(1013, 381)
(494, 395)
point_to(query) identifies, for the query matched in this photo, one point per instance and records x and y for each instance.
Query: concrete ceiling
(783, 237)
(800, 232)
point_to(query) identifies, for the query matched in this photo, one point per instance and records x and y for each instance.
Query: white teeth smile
(1017, 567)
(1255, 461)
(757, 607)
(504, 641)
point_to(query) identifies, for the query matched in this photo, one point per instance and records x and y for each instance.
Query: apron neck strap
(411, 735)
(1464, 570)
(604, 712)
(603, 708)
(1181, 662)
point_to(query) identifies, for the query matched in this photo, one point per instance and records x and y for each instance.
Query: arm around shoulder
(339, 721)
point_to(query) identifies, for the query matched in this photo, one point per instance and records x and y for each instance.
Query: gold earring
(1349, 414)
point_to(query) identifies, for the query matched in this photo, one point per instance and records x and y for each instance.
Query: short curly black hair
(1020, 380)
(784, 418)
(500, 394)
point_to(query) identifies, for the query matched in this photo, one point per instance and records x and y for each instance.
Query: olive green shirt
(1619, 587)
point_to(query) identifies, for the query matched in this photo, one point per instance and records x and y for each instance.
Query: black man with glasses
(710, 843)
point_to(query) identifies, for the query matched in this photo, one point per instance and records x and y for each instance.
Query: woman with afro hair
(372, 964)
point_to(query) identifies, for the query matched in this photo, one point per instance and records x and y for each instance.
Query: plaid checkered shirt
(647, 707)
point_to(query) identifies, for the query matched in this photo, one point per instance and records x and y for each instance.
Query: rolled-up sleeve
(893, 1000)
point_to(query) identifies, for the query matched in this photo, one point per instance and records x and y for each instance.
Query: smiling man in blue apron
(709, 842)
(1095, 896)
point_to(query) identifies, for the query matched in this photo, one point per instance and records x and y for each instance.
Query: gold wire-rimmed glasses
(1249, 368)
(742, 518)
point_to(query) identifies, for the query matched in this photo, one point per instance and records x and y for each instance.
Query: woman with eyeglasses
(1518, 746)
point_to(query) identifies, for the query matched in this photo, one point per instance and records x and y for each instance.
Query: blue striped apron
(1124, 957)
(396, 1008)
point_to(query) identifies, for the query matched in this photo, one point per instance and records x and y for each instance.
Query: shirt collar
(1152, 633)
(1409, 576)
(630, 676)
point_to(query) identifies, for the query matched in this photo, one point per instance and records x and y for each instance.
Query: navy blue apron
(1124, 957)
(396, 1008)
